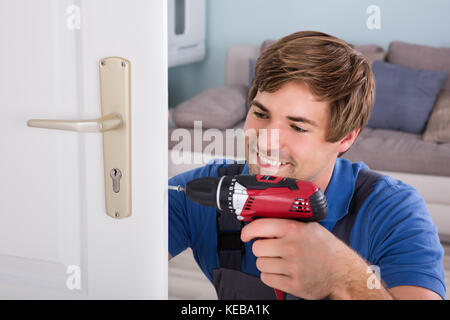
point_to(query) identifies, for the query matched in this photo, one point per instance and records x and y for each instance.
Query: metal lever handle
(109, 122)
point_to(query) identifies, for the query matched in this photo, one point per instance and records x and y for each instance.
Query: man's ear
(348, 140)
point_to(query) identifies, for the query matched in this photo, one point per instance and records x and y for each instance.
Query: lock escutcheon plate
(115, 97)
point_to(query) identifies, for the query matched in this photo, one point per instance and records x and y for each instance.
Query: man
(317, 93)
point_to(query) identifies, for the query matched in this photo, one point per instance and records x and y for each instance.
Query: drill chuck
(203, 191)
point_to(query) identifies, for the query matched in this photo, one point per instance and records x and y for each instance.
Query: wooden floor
(187, 282)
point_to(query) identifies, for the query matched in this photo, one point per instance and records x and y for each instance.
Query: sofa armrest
(237, 66)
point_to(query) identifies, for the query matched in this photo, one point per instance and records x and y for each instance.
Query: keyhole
(116, 174)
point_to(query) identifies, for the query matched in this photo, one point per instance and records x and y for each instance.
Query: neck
(323, 178)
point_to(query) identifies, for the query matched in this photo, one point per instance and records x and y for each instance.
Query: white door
(56, 240)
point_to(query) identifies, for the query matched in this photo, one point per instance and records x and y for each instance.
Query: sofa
(419, 159)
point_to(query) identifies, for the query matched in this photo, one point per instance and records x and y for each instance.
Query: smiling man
(316, 93)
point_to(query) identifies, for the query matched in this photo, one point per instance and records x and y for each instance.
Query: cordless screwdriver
(250, 197)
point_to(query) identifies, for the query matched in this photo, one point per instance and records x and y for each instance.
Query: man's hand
(308, 261)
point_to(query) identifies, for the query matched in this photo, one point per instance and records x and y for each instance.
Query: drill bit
(176, 188)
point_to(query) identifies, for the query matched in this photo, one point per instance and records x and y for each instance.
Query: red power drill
(251, 197)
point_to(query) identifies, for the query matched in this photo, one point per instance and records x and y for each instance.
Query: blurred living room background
(407, 43)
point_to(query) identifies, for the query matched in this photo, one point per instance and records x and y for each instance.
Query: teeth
(273, 163)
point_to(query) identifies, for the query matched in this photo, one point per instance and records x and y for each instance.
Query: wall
(231, 22)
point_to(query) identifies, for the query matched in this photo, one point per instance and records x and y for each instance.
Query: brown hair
(331, 68)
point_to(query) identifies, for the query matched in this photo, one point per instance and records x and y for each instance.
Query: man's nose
(270, 140)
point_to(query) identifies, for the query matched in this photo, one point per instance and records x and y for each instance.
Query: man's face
(302, 124)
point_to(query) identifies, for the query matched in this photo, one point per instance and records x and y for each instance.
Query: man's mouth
(265, 162)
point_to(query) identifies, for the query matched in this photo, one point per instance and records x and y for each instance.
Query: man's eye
(260, 115)
(298, 129)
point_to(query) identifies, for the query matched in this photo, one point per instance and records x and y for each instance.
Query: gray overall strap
(229, 245)
(363, 189)
(229, 281)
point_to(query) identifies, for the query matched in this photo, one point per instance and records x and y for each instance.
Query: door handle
(109, 122)
(115, 125)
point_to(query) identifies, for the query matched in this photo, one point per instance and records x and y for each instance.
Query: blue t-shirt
(395, 232)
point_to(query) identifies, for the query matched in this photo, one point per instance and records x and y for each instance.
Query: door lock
(115, 124)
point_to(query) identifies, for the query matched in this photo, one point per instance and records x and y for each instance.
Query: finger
(272, 265)
(277, 281)
(265, 228)
(268, 248)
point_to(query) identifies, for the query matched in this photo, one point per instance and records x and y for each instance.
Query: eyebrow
(295, 119)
